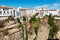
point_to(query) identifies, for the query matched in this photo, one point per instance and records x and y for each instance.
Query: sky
(51, 4)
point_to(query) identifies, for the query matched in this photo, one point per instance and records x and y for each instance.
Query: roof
(48, 10)
(6, 7)
(25, 9)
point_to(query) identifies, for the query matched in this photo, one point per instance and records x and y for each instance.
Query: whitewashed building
(7, 11)
(42, 12)
(25, 12)
(19, 12)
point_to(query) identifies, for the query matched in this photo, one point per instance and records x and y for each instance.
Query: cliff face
(1, 36)
(43, 31)
(10, 32)
(15, 33)
(14, 36)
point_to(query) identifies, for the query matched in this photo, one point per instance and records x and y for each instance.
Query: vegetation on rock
(35, 24)
(10, 18)
(53, 28)
(5, 32)
(1, 24)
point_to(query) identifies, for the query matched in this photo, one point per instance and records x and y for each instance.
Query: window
(7, 11)
(11, 11)
(0, 12)
(17, 14)
(4, 11)
(14, 13)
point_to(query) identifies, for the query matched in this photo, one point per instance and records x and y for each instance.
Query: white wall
(8, 12)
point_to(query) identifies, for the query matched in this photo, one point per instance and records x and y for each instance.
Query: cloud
(55, 4)
(19, 7)
(51, 6)
(42, 6)
(45, 6)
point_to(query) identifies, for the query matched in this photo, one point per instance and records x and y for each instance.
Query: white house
(19, 12)
(42, 12)
(25, 12)
(7, 11)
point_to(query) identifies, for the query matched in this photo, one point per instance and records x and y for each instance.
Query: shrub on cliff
(5, 32)
(1, 24)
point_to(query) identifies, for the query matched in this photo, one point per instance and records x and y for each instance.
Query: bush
(36, 14)
(18, 20)
(54, 29)
(24, 18)
(10, 18)
(7, 20)
(5, 32)
(1, 24)
(36, 30)
(35, 38)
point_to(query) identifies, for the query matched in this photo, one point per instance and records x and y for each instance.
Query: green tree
(25, 23)
(53, 28)
(24, 18)
(35, 24)
(50, 20)
(36, 14)
(21, 26)
(18, 20)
